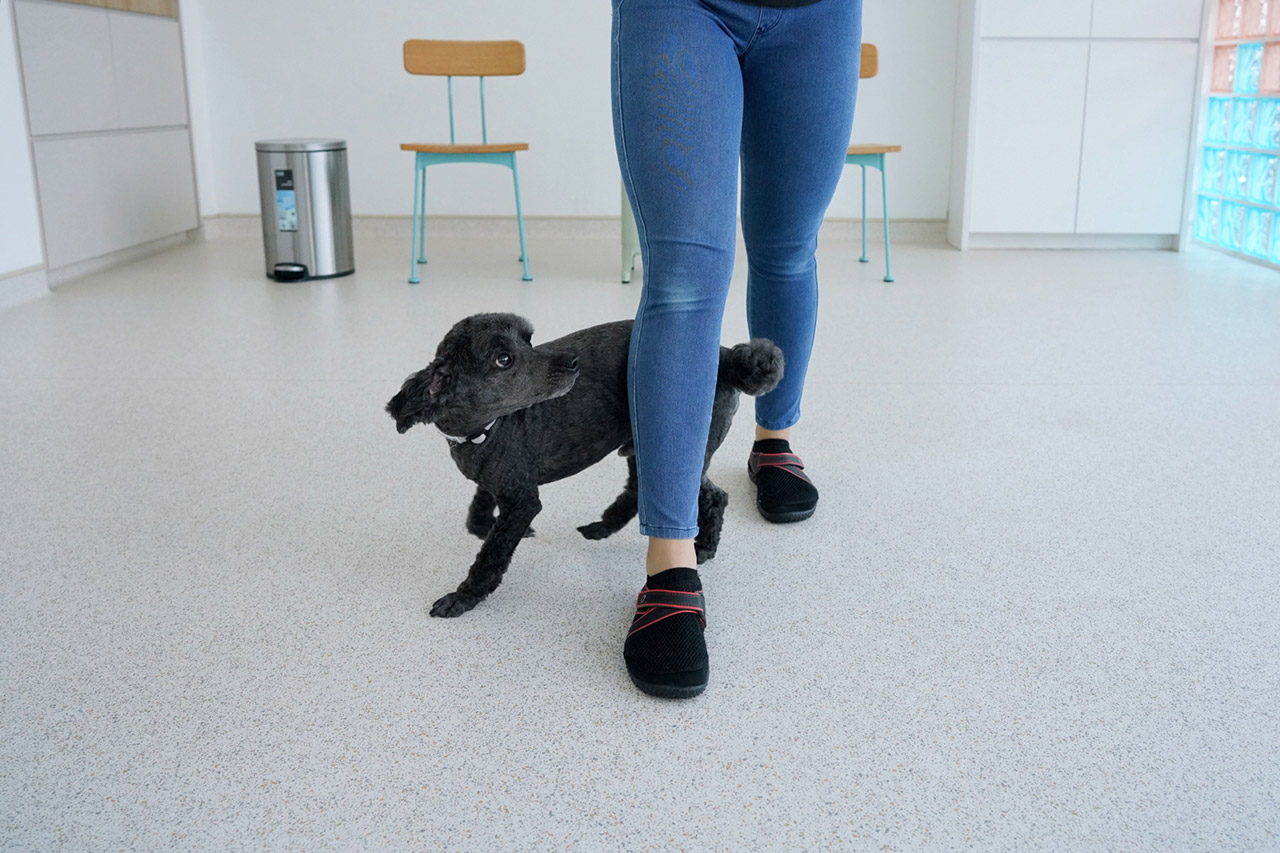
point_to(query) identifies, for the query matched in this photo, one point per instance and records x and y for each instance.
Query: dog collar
(477, 438)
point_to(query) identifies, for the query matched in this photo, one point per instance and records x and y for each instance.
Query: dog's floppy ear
(421, 396)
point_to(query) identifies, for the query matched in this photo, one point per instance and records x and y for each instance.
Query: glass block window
(1238, 198)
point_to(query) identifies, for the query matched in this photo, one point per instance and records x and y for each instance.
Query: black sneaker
(784, 493)
(665, 651)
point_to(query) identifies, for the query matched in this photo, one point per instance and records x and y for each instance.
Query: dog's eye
(503, 361)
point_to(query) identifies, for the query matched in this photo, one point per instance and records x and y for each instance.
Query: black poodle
(517, 416)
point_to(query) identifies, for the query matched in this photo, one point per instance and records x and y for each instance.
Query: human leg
(800, 84)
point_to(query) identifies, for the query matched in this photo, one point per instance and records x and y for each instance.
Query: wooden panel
(164, 8)
(1147, 19)
(100, 194)
(1036, 18)
(874, 149)
(148, 71)
(1137, 132)
(464, 58)
(870, 62)
(430, 148)
(1028, 121)
(67, 67)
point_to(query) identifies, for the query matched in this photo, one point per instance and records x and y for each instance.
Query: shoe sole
(668, 691)
(786, 517)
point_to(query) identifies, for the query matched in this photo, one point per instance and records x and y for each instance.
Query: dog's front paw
(597, 530)
(453, 604)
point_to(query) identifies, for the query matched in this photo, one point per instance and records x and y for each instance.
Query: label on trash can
(286, 201)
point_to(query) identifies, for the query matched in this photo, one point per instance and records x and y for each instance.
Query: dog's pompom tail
(753, 368)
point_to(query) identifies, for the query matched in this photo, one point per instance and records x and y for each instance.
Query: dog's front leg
(480, 513)
(516, 512)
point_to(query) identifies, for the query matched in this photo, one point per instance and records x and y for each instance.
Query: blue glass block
(1262, 178)
(1232, 233)
(1257, 231)
(1244, 115)
(1236, 184)
(1275, 245)
(1267, 129)
(1213, 169)
(1206, 226)
(1219, 120)
(1248, 68)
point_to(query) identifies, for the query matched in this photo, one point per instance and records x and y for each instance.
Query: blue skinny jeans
(700, 86)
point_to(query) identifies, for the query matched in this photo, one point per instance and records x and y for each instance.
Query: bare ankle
(666, 554)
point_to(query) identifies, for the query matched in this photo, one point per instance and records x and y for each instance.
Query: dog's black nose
(573, 363)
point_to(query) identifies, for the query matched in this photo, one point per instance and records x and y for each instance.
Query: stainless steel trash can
(306, 208)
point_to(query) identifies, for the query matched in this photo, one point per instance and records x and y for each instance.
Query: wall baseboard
(907, 231)
(23, 286)
(1074, 241)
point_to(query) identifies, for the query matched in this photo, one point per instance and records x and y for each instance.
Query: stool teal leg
(524, 254)
(884, 190)
(864, 259)
(415, 235)
(422, 219)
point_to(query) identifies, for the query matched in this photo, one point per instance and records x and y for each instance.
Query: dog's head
(485, 367)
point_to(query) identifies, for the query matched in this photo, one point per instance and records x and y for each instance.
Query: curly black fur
(557, 408)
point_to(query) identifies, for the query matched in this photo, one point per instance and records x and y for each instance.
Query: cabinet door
(148, 69)
(66, 65)
(103, 193)
(1168, 19)
(1028, 118)
(1136, 136)
(1035, 18)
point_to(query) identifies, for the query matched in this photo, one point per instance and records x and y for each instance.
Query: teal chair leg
(630, 239)
(884, 191)
(524, 254)
(422, 220)
(416, 235)
(864, 259)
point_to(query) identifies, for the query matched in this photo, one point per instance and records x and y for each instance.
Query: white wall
(20, 246)
(333, 68)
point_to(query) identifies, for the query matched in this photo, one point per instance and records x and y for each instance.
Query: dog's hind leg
(621, 511)
(515, 512)
(711, 503)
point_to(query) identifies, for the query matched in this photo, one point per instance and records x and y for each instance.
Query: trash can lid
(301, 145)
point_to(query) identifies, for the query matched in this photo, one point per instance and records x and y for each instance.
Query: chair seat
(874, 149)
(428, 148)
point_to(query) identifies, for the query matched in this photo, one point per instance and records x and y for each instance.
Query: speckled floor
(1037, 608)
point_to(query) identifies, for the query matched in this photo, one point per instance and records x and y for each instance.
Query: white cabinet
(1160, 19)
(66, 67)
(1027, 144)
(107, 103)
(1036, 18)
(1076, 122)
(1137, 137)
(150, 91)
(101, 193)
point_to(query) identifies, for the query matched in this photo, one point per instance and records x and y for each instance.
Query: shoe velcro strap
(788, 462)
(654, 605)
(671, 598)
(777, 460)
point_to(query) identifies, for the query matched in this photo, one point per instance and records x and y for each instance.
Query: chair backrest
(464, 59)
(870, 61)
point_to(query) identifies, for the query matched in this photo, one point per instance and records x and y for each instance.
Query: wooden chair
(873, 156)
(461, 59)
